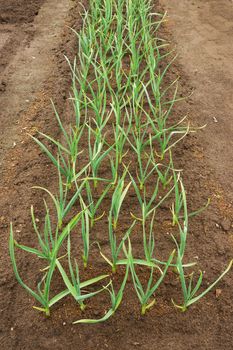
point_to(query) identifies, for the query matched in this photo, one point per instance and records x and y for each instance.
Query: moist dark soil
(19, 11)
(206, 325)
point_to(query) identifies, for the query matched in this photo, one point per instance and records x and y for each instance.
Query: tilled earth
(19, 11)
(33, 38)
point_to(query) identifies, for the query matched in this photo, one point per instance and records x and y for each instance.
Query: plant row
(118, 146)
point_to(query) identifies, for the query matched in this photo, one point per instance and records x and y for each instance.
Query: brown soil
(19, 11)
(203, 32)
(208, 324)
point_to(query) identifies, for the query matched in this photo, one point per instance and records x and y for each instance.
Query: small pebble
(97, 313)
(218, 292)
(226, 224)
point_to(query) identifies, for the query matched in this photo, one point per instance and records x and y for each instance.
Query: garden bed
(205, 325)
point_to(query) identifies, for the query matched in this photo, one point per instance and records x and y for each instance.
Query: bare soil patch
(19, 11)
(203, 33)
